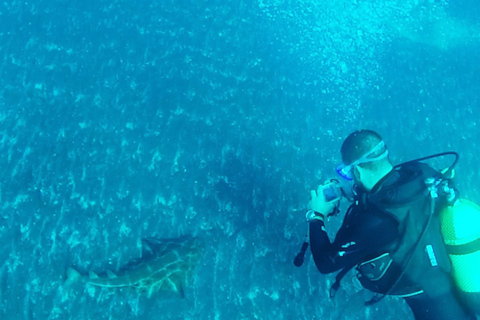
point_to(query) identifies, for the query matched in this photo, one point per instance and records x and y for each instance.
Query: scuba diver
(391, 234)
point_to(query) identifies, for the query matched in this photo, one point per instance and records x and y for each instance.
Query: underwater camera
(332, 190)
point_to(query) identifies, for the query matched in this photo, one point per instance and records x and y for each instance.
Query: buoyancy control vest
(418, 261)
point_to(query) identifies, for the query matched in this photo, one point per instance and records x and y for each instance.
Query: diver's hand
(318, 202)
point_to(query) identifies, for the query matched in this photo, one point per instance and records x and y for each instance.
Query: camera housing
(332, 191)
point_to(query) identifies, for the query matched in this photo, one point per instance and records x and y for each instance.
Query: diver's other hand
(318, 202)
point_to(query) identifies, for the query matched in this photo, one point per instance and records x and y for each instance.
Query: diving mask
(346, 172)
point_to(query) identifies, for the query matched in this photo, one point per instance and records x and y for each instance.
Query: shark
(165, 264)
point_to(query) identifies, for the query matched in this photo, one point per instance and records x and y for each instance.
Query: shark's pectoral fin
(177, 287)
(148, 248)
(151, 290)
(181, 291)
(93, 275)
(151, 246)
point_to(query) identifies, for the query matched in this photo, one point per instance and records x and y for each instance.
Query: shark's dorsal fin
(111, 275)
(93, 275)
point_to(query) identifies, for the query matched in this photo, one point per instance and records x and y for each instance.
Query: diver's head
(365, 159)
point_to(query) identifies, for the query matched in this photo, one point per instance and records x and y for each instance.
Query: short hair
(359, 143)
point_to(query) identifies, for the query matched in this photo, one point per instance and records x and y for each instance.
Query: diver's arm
(322, 250)
(352, 243)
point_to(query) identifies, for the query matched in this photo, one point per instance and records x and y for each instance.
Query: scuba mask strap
(365, 158)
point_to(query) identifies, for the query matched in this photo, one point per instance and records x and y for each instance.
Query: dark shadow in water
(467, 10)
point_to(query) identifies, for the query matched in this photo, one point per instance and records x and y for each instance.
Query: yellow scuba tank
(461, 233)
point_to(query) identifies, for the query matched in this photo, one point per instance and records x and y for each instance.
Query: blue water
(127, 119)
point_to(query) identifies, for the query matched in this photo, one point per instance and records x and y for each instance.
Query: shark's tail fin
(72, 276)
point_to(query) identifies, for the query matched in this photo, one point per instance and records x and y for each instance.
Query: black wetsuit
(367, 232)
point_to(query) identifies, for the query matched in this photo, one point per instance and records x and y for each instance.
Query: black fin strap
(335, 211)
(376, 298)
(338, 278)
